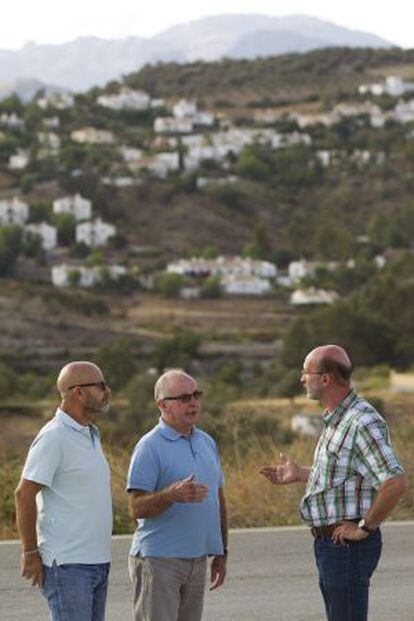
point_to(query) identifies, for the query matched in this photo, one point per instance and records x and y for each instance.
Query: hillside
(280, 159)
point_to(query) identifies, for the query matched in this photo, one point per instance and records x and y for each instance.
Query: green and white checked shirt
(352, 459)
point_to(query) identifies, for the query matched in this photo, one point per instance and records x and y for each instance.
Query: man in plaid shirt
(353, 485)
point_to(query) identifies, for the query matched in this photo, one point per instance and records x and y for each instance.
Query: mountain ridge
(208, 39)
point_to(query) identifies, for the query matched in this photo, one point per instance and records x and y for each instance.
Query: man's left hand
(218, 571)
(348, 531)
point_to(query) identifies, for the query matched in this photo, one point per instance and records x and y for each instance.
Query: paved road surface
(271, 578)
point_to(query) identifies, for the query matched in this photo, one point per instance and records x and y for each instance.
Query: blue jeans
(76, 592)
(344, 575)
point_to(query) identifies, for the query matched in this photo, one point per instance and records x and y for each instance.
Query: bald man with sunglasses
(63, 501)
(175, 486)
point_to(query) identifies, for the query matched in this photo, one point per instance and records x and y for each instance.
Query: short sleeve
(43, 459)
(143, 470)
(375, 459)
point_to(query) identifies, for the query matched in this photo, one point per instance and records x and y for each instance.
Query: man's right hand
(32, 569)
(286, 472)
(187, 490)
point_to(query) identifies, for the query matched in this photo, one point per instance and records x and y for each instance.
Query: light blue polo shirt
(184, 530)
(74, 519)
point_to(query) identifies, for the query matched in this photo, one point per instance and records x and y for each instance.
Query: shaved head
(332, 359)
(76, 373)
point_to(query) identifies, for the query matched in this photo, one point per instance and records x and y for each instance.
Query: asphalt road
(271, 578)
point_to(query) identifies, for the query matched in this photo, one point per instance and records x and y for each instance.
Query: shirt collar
(331, 417)
(169, 433)
(68, 421)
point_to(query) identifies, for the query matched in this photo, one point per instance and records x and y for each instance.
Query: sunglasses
(101, 385)
(186, 397)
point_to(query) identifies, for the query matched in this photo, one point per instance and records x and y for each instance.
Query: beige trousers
(168, 589)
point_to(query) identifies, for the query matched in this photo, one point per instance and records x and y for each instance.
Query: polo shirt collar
(68, 421)
(172, 434)
(330, 418)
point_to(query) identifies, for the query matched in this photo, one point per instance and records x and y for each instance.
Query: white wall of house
(46, 232)
(78, 206)
(95, 233)
(14, 211)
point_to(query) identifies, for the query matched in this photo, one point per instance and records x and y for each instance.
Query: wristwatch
(362, 524)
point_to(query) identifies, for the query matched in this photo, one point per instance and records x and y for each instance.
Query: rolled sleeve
(375, 459)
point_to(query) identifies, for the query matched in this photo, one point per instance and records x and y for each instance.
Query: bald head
(334, 360)
(167, 380)
(76, 373)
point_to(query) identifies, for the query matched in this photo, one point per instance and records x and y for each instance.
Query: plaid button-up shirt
(352, 459)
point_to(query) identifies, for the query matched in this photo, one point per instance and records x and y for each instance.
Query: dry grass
(252, 500)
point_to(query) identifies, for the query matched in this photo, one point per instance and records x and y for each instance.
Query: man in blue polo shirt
(63, 501)
(175, 486)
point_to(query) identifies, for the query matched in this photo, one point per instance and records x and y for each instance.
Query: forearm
(387, 498)
(149, 505)
(26, 515)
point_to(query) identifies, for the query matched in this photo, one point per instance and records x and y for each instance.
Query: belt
(326, 531)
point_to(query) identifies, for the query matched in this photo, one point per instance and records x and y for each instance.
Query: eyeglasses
(186, 397)
(313, 372)
(101, 385)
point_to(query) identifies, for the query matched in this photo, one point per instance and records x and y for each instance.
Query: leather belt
(326, 531)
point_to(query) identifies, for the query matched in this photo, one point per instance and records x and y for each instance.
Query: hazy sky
(51, 21)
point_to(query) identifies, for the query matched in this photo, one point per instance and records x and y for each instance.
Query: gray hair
(163, 382)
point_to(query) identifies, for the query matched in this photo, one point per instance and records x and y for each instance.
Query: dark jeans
(344, 576)
(76, 592)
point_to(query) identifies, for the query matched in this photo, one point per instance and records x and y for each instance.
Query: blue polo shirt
(184, 530)
(74, 508)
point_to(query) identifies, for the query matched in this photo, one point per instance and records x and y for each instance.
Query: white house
(324, 118)
(62, 274)
(60, 101)
(300, 269)
(184, 109)
(49, 140)
(92, 135)
(206, 119)
(126, 99)
(163, 163)
(46, 232)
(202, 182)
(245, 285)
(404, 111)
(12, 120)
(312, 296)
(94, 233)
(80, 208)
(223, 266)
(18, 161)
(197, 154)
(171, 125)
(14, 211)
(393, 85)
(130, 154)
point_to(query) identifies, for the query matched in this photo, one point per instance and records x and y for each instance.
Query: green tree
(178, 350)
(170, 284)
(118, 362)
(211, 288)
(10, 247)
(66, 228)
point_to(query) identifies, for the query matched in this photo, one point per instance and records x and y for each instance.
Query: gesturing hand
(286, 472)
(187, 490)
